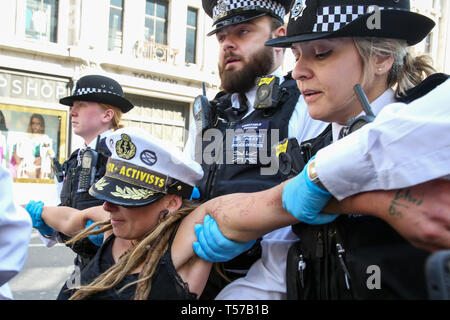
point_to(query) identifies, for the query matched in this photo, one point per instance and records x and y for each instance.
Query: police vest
(70, 197)
(356, 257)
(244, 146)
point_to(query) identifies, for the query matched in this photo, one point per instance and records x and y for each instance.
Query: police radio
(356, 123)
(57, 170)
(268, 92)
(86, 177)
(201, 110)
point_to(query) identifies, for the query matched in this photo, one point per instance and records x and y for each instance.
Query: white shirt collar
(386, 98)
(93, 143)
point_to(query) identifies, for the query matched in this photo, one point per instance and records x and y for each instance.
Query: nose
(301, 70)
(228, 43)
(73, 111)
(108, 206)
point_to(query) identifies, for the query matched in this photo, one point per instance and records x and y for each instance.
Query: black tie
(343, 132)
(235, 114)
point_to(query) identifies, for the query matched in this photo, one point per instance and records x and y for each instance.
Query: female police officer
(96, 107)
(337, 47)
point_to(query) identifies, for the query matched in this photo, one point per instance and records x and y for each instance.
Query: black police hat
(101, 89)
(230, 12)
(320, 19)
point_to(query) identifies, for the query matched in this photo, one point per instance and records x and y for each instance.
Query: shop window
(29, 139)
(41, 19)
(191, 35)
(156, 13)
(115, 25)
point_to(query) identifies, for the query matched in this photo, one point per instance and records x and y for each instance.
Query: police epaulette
(427, 85)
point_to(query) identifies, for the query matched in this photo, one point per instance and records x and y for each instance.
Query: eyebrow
(235, 26)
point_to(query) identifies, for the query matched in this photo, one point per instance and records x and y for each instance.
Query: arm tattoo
(402, 200)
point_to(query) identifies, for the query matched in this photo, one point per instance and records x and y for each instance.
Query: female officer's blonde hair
(115, 123)
(407, 71)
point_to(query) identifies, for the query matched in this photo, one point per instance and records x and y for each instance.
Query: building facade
(156, 49)
(435, 44)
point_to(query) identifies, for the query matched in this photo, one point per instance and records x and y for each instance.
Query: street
(44, 272)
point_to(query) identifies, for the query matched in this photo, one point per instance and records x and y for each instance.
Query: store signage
(154, 77)
(31, 88)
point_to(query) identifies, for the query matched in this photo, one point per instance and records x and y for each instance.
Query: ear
(279, 32)
(383, 64)
(108, 115)
(172, 203)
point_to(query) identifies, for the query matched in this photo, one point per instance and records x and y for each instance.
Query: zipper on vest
(340, 252)
(319, 245)
(71, 182)
(211, 177)
(301, 267)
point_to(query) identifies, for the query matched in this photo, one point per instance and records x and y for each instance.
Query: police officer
(96, 107)
(355, 256)
(258, 107)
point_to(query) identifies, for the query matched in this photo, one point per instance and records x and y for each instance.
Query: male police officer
(96, 107)
(250, 118)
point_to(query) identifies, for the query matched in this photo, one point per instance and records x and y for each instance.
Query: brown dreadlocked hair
(148, 251)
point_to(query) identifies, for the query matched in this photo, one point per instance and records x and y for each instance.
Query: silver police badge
(221, 8)
(297, 9)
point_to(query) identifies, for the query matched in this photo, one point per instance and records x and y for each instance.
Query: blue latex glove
(96, 239)
(34, 209)
(213, 246)
(304, 200)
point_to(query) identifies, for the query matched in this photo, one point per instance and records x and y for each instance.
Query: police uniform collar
(93, 143)
(377, 105)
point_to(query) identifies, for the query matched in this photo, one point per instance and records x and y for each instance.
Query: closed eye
(324, 54)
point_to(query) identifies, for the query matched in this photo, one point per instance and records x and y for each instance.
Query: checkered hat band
(224, 6)
(83, 91)
(333, 18)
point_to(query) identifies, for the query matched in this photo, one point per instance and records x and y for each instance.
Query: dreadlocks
(148, 252)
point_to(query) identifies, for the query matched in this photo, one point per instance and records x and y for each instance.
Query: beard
(258, 64)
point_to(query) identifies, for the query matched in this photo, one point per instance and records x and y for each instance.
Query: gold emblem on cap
(132, 193)
(101, 184)
(125, 148)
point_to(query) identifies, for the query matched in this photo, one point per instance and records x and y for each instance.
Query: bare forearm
(64, 219)
(247, 216)
(419, 213)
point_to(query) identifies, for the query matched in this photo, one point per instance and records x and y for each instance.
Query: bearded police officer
(96, 107)
(258, 107)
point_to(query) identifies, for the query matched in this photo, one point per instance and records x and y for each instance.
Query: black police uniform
(70, 197)
(243, 172)
(336, 260)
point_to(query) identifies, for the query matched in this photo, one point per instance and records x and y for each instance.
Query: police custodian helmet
(230, 12)
(321, 19)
